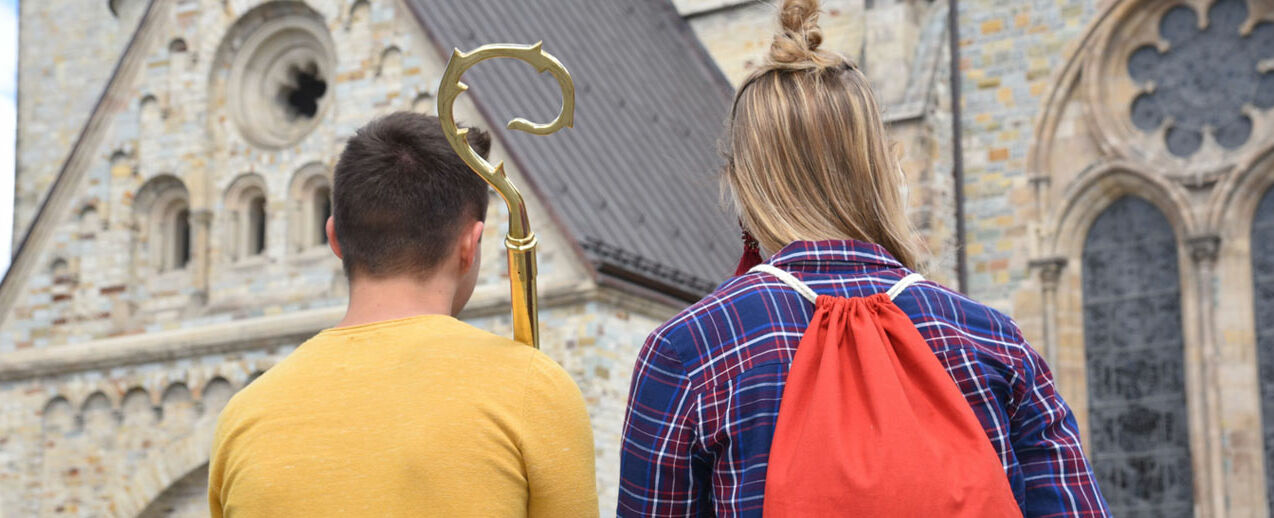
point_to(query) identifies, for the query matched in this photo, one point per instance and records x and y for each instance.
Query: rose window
(279, 82)
(1204, 82)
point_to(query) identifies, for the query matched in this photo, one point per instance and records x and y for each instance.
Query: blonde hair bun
(796, 44)
(807, 155)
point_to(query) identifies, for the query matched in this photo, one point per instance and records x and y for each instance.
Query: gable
(164, 143)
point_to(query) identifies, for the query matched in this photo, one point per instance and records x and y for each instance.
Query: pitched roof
(634, 181)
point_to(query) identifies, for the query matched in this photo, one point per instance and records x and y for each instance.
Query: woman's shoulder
(738, 320)
(748, 306)
(738, 296)
(950, 319)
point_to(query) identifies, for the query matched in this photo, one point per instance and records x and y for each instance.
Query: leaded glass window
(1263, 280)
(1136, 367)
(1200, 82)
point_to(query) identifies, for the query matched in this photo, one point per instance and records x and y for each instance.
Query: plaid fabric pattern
(707, 386)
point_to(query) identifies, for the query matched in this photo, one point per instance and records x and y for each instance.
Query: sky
(8, 121)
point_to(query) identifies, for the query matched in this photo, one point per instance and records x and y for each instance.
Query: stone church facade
(1115, 163)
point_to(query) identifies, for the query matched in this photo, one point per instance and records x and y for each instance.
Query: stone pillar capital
(1040, 179)
(1204, 248)
(1050, 270)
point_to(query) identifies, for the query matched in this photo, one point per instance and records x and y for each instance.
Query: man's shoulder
(544, 373)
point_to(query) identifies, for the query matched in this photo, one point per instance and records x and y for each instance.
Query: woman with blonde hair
(831, 379)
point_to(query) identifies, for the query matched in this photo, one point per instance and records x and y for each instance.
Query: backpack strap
(788, 279)
(809, 294)
(903, 284)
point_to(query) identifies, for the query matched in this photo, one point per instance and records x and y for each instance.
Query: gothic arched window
(322, 209)
(249, 220)
(1140, 443)
(1263, 288)
(163, 208)
(311, 193)
(256, 225)
(178, 236)
(171, 234)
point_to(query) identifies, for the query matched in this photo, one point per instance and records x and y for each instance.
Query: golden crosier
(520, 240)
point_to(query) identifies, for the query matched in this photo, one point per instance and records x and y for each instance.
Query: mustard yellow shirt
(423, 416)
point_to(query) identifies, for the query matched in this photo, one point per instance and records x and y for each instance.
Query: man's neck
(378, 299)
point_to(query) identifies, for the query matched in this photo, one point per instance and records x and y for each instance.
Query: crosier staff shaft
(520, 240)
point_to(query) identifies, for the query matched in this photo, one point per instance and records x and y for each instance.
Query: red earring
(751, 254)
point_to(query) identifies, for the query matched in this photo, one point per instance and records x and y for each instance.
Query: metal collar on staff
(520, 240)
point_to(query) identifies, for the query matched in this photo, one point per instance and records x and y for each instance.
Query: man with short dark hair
(403, 410)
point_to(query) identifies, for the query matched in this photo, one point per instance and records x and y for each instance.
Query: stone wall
(902, 47)
(98, 279)
(99, 431)
(51, 51)
(94, 442)
(87, 440)
(1008, 55)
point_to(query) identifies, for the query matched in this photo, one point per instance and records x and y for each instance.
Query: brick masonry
(1008, 52)
(94, 442)
(131, 438)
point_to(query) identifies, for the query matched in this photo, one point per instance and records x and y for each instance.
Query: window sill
(312, 254)
(255, 261)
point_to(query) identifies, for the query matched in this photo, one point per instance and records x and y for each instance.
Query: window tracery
(1197, 82)
(1135, 358)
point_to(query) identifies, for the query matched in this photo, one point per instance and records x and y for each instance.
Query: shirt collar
(848, 251)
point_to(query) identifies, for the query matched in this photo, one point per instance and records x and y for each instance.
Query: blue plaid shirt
(707, 385)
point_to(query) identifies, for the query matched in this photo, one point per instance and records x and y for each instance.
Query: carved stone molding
(264, 333)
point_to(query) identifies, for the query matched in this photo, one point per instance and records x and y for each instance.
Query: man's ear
(330, 229)
(470, 245)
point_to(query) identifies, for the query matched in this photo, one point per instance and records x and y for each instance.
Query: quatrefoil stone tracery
(1199, 83)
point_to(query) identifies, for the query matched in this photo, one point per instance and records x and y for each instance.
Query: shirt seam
(695, 396)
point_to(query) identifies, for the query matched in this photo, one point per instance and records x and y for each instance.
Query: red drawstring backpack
(872, 425)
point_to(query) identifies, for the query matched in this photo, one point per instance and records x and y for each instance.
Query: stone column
(201, 248)
(1203, 253)
(1050, 270)
(1040, 184)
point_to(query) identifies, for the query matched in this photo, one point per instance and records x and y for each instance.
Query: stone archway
(185, 498)
(166, 468)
